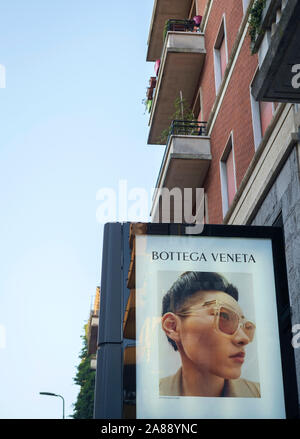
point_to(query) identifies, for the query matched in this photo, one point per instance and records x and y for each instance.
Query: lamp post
(55, 394)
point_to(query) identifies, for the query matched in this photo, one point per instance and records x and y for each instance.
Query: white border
(149, 403)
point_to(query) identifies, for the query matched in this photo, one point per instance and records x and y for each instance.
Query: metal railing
(188, 128)
(180, 25)
(185, 128)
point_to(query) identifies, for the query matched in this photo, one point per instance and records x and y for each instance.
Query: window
(262, 115)
(227, 171)
(266, 115)
(220, 55)
(197, 108)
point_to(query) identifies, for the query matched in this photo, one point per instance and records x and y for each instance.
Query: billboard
(207, 336)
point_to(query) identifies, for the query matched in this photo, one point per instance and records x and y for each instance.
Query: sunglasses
(226, 319)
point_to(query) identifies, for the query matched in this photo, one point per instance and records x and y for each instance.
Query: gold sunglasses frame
(217, 305)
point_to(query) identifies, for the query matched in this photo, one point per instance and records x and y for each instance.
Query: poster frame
(116, 258)
(276, 236)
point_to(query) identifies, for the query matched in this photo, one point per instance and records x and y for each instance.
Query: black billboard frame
(115, 264)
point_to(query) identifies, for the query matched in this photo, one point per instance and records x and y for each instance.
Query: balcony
(278, 47)
(92, 335)
(149, 94)
(162, 11)
(93, 363)
(186, 160)
(180, 68)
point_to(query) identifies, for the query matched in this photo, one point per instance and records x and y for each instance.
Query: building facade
(234, 65)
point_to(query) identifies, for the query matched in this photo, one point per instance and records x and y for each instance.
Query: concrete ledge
(185, 164)
(164, 10)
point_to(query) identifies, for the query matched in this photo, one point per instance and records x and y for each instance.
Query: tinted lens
(228, 321)
(249, 329)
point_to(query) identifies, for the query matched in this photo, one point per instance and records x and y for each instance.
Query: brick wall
(234, 114)
(233, 17)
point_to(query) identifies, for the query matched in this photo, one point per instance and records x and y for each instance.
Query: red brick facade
(234, 115)
(225, 101)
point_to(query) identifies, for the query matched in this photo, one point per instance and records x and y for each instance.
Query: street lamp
(55, 394)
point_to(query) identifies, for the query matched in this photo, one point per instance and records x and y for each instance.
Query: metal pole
(181, 104)
(55, 394)
(63, 405)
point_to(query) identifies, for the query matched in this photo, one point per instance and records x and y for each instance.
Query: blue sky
(71, 123)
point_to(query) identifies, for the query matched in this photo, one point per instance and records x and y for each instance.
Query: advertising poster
(207, 337)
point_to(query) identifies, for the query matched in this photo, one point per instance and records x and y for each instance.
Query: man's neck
(197, 383)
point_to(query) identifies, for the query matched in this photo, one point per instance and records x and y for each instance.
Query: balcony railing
(181, 26)
(188, 128)
(184, 128)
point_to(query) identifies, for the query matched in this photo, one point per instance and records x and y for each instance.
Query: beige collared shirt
(240, 388)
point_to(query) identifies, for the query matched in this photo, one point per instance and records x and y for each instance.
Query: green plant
(182, 112)
(148, 104)
(165, 30)
(85, 378)
(255, 20)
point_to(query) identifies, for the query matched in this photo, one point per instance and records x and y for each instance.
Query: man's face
(205, 348)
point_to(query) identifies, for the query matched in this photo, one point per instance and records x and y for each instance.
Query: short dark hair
(190, 283)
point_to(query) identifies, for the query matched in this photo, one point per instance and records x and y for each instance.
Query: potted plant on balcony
(152, 82)
(148, 105)
(182, 112)
(165, 30)
(149, 93)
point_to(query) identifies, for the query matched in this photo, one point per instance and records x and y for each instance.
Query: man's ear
(171, 325)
